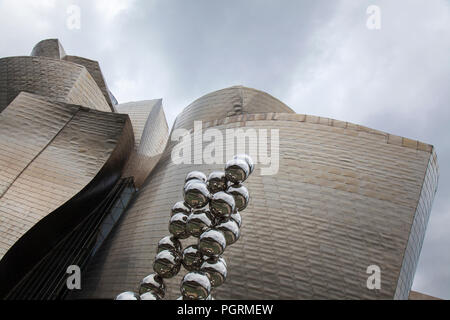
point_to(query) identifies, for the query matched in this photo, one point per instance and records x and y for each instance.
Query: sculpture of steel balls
(216, 270)
(212, 243)
(195, 286)
(149, 296)
(237, 170)
(198, 222)
(196, 175)
(210, 212)
(181, 207)
(217, 182)
(240, 195)
(236, 217)
(128, 296)
(222, 204)
(167, 263)
(154, 284)
(230, 230)
(177, 226)
(192, 258)
(247, 159)
(169, 243)
(196, 194)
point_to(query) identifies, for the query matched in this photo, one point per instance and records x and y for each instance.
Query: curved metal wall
(229, 102)
(50, 48)
(57, 161)
(56, 79)
(93, 67)
(344, 199)
(151, 134)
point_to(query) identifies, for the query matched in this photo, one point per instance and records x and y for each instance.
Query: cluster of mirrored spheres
(210, 212)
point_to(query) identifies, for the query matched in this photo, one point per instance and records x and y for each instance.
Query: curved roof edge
(389, 138)
(244, 88)
(50, 48)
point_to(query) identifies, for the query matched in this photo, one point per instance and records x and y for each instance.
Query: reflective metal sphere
(177, 226)
(128, 296)
(237, 170)
(217, 182)
(181, 207)
(192, 258)
(240, 195)
(196, 175)
(216, 271)
(222, 204)
(195, 286)
(196, 194)
(198, 222)
(167, 264)
(248, 159)
(212, 243)
(230, 230)
(169, 243)
(153, 283)
(237, 218)
(150, 296)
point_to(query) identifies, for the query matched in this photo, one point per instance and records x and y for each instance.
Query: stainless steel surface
(196, 193)
(222, 204)
(167, 263)
(212, 243)
(216, 270)
(169, 243)
(154, 284)
(195, 286)
(217, 182)
(192, 258)
(198, 222)
(237, 170)
(63, 81)
(128, 296)
(240, 195)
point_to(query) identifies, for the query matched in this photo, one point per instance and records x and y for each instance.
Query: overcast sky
(318, 57)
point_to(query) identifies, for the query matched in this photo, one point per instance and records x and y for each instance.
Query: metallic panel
(56, 160)
(418, 228)
(58, 80)
(93, 67)
(229, 102)
(344, 198)
(151, 133)
(50, 48)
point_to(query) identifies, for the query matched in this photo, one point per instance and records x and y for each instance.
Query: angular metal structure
(151, 134)
(64, 151)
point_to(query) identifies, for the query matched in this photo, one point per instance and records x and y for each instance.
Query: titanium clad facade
(344, 198)
(64, 151)
(419, 226)
(52, 156)
(93, 67)
(151, 133)
(50, 48)
(56, 79)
